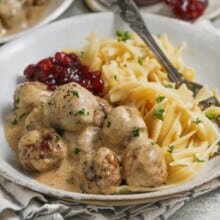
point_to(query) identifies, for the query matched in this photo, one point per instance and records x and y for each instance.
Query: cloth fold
(17, 202)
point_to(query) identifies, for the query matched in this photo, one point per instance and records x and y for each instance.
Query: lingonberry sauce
(64, 68)
(187, 9)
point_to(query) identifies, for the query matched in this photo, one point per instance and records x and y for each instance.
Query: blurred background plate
(212, 11)
(53, 10)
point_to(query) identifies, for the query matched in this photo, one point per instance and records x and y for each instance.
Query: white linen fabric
(19, 203)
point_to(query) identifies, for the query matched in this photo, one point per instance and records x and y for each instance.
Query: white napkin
(18, 203)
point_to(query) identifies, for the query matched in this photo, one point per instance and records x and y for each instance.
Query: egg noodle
(133, 76)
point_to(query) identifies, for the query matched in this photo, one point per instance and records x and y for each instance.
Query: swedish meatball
(104, 173)
(29, 95)
(35, 119)
(144, 164)
(120, 123)
(13, 14)
(107, 168)
(70, 107)
(41, 150)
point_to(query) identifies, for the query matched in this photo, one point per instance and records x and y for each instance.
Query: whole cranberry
(187, 9)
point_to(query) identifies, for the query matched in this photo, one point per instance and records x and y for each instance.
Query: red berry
(187, 9)
(46, 64)
(64, 68)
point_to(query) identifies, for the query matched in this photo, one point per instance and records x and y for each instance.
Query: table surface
(205, 207)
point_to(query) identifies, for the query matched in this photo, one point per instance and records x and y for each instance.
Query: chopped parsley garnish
(211, 116)
(81, 112)
(199, 160)
(160, 99)
(123, 35)
(115, 77)
(159, 113)
(152, 142)
(14, 122)
(75, 93)
(140, 61)
(50, 103)
(170, 86)
(76, 151)
(22, 116)
(197, 121)
(109, 124)
(170, 148)
(135, 132)
(17, 101)
(82, 53)
(57, 138)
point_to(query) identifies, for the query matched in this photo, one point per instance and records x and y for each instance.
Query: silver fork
(129, 13)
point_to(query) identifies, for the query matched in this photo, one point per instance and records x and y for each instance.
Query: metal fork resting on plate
(129, 12)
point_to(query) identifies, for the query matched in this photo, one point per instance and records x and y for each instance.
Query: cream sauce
(65, 177)
(68, 175)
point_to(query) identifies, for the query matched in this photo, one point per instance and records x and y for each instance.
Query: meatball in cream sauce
(73, 140)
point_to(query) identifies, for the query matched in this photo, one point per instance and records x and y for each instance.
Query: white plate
(54, 9)
(203, 53)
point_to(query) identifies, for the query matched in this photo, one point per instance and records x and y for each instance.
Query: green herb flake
(82, 53)
(123, 35)
(80, 112)
(140, 61)
(152, 142)
(109, 123)
(15, 121)
(159, 99)
(17, 101)
(197, 121)
(50, 103)
(22, 116)
(115, 77)
(199, 160)
(211, 116)
(57, 138)
(135, 132)
(169, 86)
(76, 151)
(75, 93)
(159, 113)
(170, 149)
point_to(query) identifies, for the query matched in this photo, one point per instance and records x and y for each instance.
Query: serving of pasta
(121, 127)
